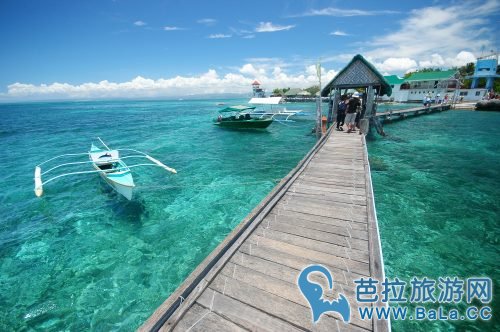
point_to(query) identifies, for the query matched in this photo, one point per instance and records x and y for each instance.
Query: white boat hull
(114, 171)
(106, 162)
(124, 190)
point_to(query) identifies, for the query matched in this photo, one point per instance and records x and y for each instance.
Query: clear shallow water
(436, 183)
(83, 257)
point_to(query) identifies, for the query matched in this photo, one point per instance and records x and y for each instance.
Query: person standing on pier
(350, 117)
(341, 112)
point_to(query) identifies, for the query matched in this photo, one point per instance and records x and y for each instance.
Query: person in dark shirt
(350, 117)
(341, 112)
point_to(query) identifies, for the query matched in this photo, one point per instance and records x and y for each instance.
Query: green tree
(422, 70)
(496, 86)
(278, 92)
(466, 70)
(312, 89)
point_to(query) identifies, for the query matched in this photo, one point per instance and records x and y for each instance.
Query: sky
(94, 49)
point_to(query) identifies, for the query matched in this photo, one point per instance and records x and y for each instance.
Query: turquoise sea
(82, 257)
(436, 182)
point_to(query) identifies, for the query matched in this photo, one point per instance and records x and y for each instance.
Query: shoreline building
(486, 68)
(421, 84)
(447, 82)
(395, 82)
(258, 92)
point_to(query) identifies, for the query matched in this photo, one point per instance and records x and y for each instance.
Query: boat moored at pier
(241, 117)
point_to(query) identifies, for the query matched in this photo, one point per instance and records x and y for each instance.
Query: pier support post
(318, 118)
(370, 109)
(335, 107)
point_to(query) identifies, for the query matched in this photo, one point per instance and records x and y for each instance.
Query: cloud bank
(436, 37)
(180, 86)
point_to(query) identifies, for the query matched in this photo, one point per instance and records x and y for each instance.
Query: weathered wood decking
(320, 213)
(402, 114)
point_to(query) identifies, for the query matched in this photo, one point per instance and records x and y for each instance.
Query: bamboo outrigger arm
(39, 183)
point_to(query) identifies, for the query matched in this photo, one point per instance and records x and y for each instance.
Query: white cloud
(140, 23)
(207, 21)
(338, 33)
(219, 36)
(460, 59)
(249, 69)
(395, 64)
(437, 36)
(435, 60)
(141, 87)
(269, 27)
(340, 12)
(248, 36)
(167, 28)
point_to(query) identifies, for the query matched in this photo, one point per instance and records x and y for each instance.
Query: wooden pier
(404, 113)
(322, 212)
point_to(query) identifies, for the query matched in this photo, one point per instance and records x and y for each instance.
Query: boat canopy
(266, 101)
(237, 108)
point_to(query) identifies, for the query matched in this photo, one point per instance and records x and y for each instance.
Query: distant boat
(221, 104)
(107, 163)
(240, 117)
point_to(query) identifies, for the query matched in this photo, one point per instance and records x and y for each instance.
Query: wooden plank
(321, 189)
(330, 220)
(317, 256)
(335, 165)
(289, 290)
(202, 319)
(341, 250)
(345, 241)
(284, 273)
(277, 306)
(343, 230)
(292, 261)
(280, 307)
(309, 179)
(326, 205)
(338, 173)
(344, 213)
(243, 314)
(329, 197)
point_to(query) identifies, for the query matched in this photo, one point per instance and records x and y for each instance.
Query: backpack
(342, 107)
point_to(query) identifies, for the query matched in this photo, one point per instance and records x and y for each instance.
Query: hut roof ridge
(385, 86)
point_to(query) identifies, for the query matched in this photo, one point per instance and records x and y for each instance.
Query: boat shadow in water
(132, 211)
(261, 131)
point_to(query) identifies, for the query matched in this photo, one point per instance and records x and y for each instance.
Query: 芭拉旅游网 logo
(313, 292)
(419, 299)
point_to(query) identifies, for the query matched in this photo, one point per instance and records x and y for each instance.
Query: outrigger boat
(107, 163)
(268, 108)
(240, 117)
